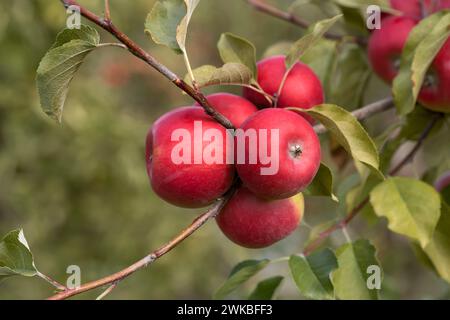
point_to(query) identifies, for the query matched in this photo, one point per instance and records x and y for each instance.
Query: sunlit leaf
(348, 132)
(322, 184)
(228, 74)
(235, 49)
(350, 278)
(411, 206)
(299, 48)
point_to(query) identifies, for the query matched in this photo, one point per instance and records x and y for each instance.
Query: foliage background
(80, 189)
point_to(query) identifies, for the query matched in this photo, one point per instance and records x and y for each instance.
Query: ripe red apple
(191, 184)
(256, 223)
(234, 108)
(285, 160)
(302, 88)
(435, 93)
(412, 8)
(386, 45)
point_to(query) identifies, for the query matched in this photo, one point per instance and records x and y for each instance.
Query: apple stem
(296, 150)
(280, 88)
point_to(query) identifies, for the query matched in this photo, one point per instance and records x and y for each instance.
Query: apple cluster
(386, 46)
(265, 208)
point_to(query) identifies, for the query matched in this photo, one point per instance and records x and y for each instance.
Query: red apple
(435, 93)
(386, 45)
(256, 223)
(234, 108)
(191, 183)
(290, 159)
(302, 88)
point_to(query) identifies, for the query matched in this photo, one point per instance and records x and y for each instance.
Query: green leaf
(349, 77)
(59, 65)
(321, 58)
(15, 256)
(350, 279)
(309, 40)
(438, 250)
(183, 26)
(266, 289)
(163, 20)
(228, 74)
(85, 33)
(348, 132)
(235, 49)
(312, 274)
(240, 274)
(424, 42)
(412, 207)
(322, 184)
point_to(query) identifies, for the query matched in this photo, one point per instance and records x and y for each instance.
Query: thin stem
(112, 44)
(189, 69)
(53, 282)
(325, 234)
(268, 97)
(346, 234)
(280, 88)
(107, 291)
(266, 8)
(418, 144)
(278, 260)
(107, 11)
(151, 257)
(140, 53)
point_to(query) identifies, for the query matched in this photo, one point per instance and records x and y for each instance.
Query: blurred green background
(80, 189)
